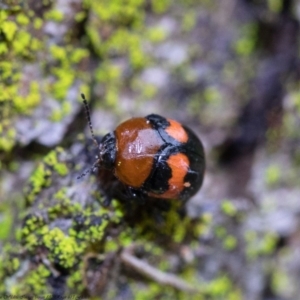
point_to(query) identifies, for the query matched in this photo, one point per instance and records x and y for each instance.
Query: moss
(6, 221)
(40, 179)
(189, 21)
(35, 282)
(25, 104)
(220, 231)
(74, 281)
(66, 58)
(90, 227)
(180, 230)
(269, 243)
(228, 208)
(153, 291)
(156, 34)
(245, 45)
(118, 212)
(219, 287)
(212, 95)
(275, 5)
(260, 244)
(37, 23)
(6, 143)
(9, 29)
(62, 206)
(22, 19)
(78, 54)
(80, 16)
(54, 15)
(3, 48)
(34, 227)
(57, 115)
(281, 284)
(10, 263)
(116, 12)
(43, 175)
(108, 73)
(229, 243)
(17, 44)
(115, 33)
(160, 6)
(63, 249)
(147, 91)
(153, 248)
(272, 176)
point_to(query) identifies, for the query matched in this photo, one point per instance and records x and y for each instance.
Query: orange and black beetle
(153, 157)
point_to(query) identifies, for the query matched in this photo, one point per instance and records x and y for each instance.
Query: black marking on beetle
(193, 149)
(107, 151)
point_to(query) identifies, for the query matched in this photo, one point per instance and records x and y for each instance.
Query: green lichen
(9, 29)
(75, 282)
(118, 212)
(44, 173)
(156, 34)
(33, 230)
(35, 283)
(153, 291)
(124, 240)
(124, 35)
(33, 98)
(41, 178)
(90, 227)
(228, 208)
(63, 249)
(212, 95)
(54, 15)
(272, 176)
(221, 286)
(160, 6)
(230, 243)
(220, 231)
(9, 263)
(80, 16)
(61, 169)
(189, 21)
(281, 283)
(62, 206)
(113, 31)
(275, 5)
(22, 19)
(245, 45)
(16, 45)
(260, 244)
(65, 60)
(23, 40)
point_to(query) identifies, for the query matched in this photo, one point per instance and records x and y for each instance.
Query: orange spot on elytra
(176, 131)
(179, 164)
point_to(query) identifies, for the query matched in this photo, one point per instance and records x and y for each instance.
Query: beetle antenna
(91, 169)
(88, 115)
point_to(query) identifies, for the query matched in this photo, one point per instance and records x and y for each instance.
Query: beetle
(152, 156)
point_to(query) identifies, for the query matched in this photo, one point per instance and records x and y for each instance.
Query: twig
(155, 274)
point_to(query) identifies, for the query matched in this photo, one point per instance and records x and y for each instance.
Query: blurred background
(228, 69)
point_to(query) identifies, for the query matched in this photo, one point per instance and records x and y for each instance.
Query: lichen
(62, 225)
(245, 45)
(35, 283)
(42, 176)
(228, 208)
(259, 243)
(63, 249)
